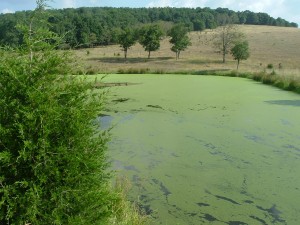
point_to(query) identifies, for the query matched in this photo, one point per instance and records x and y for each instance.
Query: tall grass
(125, 212)
(288, 83)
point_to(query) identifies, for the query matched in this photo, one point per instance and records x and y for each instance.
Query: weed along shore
(206, 149)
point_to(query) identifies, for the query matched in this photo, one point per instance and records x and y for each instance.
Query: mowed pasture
(278, 46)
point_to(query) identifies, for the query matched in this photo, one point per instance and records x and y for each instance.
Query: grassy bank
(124, 211)
(276, 46)
(288, 83)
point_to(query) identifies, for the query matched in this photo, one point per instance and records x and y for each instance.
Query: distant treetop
(85, 27)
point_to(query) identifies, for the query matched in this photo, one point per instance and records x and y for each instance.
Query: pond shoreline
(196, 147)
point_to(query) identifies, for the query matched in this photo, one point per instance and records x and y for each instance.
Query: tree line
(149, 36)
(87, 27)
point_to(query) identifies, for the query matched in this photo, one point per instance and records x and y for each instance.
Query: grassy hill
(268, 45)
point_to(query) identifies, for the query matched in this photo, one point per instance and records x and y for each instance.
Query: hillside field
(268, 45)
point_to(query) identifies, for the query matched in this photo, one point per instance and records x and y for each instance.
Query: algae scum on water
(207, 150)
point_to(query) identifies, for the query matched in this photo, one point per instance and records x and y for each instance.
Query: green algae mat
(206, 150)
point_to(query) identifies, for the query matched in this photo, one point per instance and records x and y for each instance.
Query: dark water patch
(222, 197)
(295, 103)
(214, 152)
(274, 213)
(137, 181)
(203, 108)
(155, 106)
(105, 121)
(155, 181)
(137, 110)
(163, 188)
(285, 122)
(173, 213)
(174, 155)
(126, 118)
(246, 162)
(258, 219)
(292, 147)
(248, 201)
(153, 164)
(208, 192)
(210, 146)
(195, 139)
(146, 209)
(176, 207)
(236, 223)
(254, 138)
(227, 199)
(201, 204)
(244, 186)
(143, 198)
(120, 100)
(209, 218)
(132, 168)
(173, 111)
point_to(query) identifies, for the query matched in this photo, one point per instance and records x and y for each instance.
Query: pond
(206, 149)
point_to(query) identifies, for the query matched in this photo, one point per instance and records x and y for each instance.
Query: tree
(92, 39)
(225, 37)
(126, 38)
(240, 51)
(150, 38)
(52, 152)
(179, 39)
(198, 25)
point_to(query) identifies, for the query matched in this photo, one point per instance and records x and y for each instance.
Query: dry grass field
(268, 45)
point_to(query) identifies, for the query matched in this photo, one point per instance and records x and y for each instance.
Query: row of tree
(227, 39)
(84, 27)
(149, 37)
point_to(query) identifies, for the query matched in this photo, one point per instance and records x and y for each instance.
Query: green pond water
(207, 150)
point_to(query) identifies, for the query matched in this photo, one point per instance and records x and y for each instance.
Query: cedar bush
(53, 165)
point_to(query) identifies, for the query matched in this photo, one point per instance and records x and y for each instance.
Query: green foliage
(126, 213)
(86, 27)
(150, 38)
(198, 25)
(127, 38)
(52, 154)
(179, 39)
(240, 51)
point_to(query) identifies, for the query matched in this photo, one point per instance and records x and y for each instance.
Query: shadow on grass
(128, 60)
(295, 103)
(211, 72)
(203, 61)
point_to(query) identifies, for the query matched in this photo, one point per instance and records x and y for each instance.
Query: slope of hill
(278, 46)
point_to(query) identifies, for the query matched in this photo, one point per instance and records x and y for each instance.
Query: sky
(286, 9)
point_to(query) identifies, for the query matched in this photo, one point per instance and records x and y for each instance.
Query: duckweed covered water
(207, 150)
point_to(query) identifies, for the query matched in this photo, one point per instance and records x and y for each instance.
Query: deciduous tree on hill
(150, 36)
(240, 51)
(127, 38)
(179, 39)
(225, 37)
